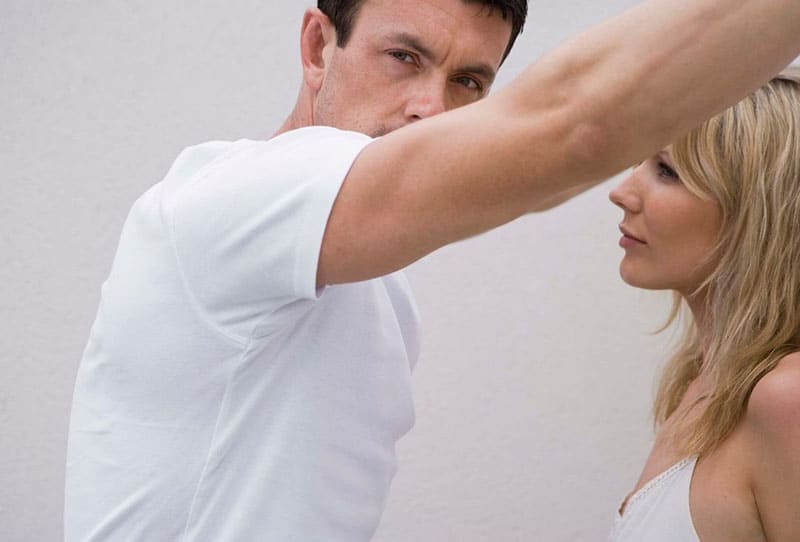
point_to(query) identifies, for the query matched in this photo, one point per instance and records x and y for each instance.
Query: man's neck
(301, 116)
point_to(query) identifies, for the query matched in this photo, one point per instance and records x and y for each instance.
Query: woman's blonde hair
(747, 159)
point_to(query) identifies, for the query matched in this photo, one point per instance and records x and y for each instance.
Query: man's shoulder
(304, 153)
(303, 149)
(324, 136)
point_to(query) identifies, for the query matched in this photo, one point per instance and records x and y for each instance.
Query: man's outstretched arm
(599, 103)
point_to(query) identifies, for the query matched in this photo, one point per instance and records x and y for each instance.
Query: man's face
(409, 60)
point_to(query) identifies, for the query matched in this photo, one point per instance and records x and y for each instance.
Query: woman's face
(668, 233)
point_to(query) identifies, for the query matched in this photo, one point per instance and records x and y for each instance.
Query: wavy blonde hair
(747, 159)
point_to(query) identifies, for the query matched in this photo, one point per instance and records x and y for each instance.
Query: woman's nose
(626, 196)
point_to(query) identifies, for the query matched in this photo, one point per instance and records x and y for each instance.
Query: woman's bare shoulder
(773, 414)
(775, 400)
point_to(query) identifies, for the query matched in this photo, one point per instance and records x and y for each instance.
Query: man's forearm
(603, 101)
(637, 82)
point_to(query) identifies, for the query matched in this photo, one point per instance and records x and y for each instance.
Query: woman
(716, 218)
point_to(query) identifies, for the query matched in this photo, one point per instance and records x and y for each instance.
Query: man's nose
(426, 102)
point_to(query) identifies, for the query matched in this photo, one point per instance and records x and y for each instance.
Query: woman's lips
(629, 240)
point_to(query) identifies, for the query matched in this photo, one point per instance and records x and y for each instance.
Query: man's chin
(382, 131)
(372, 132)
(379, 133)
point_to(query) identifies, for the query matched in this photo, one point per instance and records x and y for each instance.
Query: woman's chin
(639, 280)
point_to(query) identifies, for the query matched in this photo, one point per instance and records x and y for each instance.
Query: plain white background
(533, 391)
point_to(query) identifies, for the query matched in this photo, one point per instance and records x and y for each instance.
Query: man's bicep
(411, 192)
(370, 232)
(442, 180)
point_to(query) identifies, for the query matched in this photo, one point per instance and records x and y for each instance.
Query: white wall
(534, 386)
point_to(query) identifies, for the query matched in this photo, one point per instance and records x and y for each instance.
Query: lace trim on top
(631, 500)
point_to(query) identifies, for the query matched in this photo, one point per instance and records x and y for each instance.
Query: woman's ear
(317, 38)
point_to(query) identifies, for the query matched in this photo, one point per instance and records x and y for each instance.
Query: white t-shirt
(221, 396)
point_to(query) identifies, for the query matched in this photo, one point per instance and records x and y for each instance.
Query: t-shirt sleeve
(247, 230)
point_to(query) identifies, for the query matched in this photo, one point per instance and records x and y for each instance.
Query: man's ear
(317, 38)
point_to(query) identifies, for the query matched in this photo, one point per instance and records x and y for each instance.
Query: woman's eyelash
(666, 171)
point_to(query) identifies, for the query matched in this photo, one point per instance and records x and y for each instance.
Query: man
(248, 373)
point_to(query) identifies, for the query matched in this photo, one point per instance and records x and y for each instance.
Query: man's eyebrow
(412, 42)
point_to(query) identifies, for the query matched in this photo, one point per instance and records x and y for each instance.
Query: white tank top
(659, 511)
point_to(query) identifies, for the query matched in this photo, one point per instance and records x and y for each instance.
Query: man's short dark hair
(343, 13)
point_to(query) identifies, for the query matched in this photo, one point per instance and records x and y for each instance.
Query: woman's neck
(698, 305)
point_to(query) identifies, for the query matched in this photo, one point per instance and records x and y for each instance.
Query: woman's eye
(665, 171)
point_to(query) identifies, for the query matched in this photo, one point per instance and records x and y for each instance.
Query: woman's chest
(721, 502)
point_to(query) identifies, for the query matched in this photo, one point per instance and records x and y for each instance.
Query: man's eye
(468, 82)
(403, 56)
